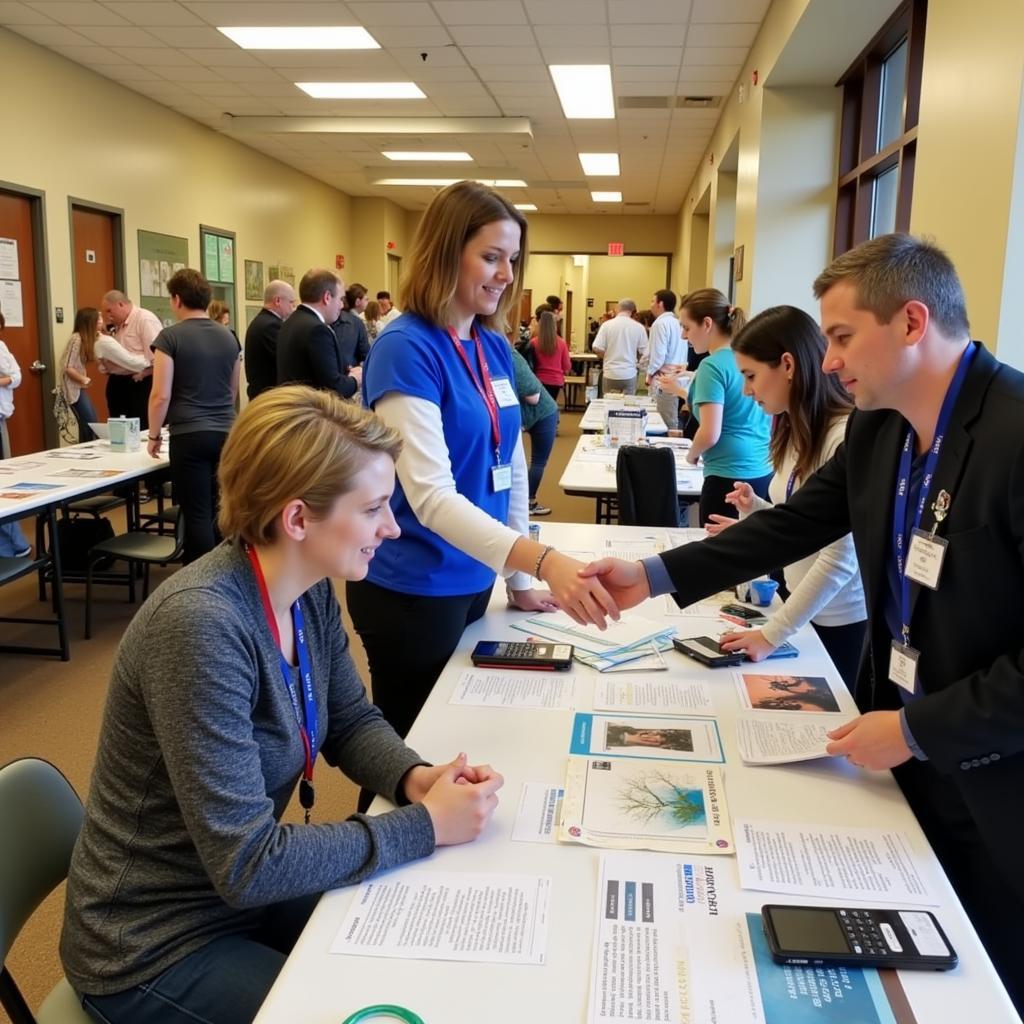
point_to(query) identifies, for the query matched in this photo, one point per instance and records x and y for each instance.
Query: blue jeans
(224, 982)
(85, 413)
(542, 440)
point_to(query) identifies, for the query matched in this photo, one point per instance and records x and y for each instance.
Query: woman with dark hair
(551, 354)
(733, 432)
(442, 376)
(779, 355)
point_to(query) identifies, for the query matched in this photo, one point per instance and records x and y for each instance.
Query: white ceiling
(485, 58)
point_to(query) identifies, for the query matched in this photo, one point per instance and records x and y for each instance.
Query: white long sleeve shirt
(8, 368)
(667, 346)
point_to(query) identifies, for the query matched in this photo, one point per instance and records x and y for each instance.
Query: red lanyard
(484, 388)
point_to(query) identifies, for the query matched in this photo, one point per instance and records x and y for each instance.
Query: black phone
(904, 939)
(542, 656)
(741, 611)
(706, 650)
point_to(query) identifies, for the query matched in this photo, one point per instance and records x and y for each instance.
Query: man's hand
(582, 596)
(356, 373)
(625, 582)
(153, 445)
(873, 741)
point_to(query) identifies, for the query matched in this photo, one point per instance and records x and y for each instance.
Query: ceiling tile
(295, 12)
(155, 57)
(116, 35)
(488, 35)
(411, 59)
(739, 34)
(426, 37)
(196, 37)
(373, 15)
(629, 12)
(521, 55)
(50, 35)
(525, 90)
(647, 55)
(12, 14)
(78, 13)
(569, 53)
(153, 12)
(233, 60)
(480, 12)
(634, 73)
(693, 88)
(649, 35)
(193, 73)
(567, 12)
(703, 56)
(90, 55)
(709, 73)
(716, 11)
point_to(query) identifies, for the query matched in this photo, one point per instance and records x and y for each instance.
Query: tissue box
(124, 433)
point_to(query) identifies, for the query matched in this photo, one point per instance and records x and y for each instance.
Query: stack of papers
(628, 642)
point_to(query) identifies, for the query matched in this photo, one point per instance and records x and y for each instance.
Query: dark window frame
(860, 159)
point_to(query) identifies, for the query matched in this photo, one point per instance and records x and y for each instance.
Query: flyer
(647, 736)
(645, 805)
(778, 692)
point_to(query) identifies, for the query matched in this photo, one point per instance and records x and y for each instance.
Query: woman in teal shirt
(734, 432)
(539, 413)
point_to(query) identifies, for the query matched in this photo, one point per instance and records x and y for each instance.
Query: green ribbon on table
(384, 1010)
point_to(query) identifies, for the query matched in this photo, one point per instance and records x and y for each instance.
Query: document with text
(662, 696)
(538, 814)
(489, 688)
(769, 740)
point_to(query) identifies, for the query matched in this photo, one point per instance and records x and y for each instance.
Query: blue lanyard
(305, 711)
(900, 540)
(791, 484)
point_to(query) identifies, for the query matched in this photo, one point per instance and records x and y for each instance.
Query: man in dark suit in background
(307, 351)
(350, 330)
(261, 338)
(931, 483)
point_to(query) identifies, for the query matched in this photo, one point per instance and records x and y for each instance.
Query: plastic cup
(762, 591)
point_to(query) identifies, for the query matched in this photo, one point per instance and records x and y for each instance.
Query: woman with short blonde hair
(229, 682)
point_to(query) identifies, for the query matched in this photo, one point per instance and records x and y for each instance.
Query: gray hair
(277, 290)
(115, 296)
(892, 270)
(627, 306)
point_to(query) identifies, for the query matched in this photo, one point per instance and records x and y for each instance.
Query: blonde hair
(453, 217)
(294, 442)
(217, 309)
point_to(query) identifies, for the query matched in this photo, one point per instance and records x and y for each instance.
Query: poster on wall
(276, 272)
(9, 259)
(10, 303)
(253, 280)
(227, 260)
(160, 256)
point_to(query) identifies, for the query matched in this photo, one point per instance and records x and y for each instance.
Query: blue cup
(762, 591)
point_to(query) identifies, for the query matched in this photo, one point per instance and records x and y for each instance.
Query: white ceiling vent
(670, 102)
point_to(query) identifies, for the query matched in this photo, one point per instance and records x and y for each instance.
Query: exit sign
(615, 249)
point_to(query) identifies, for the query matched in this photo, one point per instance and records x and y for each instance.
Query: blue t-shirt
(741, 452)
(419, 359)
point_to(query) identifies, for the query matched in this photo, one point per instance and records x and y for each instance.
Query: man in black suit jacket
(953, 732)
(307, 352)
(261, 338)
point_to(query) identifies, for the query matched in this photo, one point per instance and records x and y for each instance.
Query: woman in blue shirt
(733, 433)
(442, 376)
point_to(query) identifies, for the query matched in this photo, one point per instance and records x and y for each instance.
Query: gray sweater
(199, 754)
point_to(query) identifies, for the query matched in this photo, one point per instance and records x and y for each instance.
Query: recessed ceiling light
(600, 163)
(362, 90)
(304, 37)
(584, 90)
(606, 197)
(438, 156)
(443, 182)
(526, 207)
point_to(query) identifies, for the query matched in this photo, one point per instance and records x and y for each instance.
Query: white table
(592, 419)
(590, 473)
(317, 987)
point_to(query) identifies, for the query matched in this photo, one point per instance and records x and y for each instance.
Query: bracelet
(152, 438)
(540, 561)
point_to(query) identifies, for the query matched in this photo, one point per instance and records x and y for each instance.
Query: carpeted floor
(53, 710)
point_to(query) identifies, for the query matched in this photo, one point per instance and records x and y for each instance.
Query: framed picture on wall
(160, 256)
(253, 280)
(737, 263)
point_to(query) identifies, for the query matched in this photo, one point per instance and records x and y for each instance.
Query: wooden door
(94, 235)
(567, 322)
(526, 306)
(26, 425)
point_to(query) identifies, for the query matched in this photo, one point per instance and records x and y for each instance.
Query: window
(878, 141)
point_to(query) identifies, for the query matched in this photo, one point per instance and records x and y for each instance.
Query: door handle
(38, 367)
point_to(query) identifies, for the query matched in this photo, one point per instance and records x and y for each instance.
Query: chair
(645, 478)
(40, 818)
(136, 546)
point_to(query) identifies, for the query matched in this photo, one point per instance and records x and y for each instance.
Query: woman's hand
(582, 597)
(672, 385)
(460, 807)
(741, 497)
(418, 780)
(750, 640)
(153, 445)
(716, 523)
(533, 600)
(625, 581)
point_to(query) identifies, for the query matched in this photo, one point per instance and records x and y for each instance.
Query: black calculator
(509, 654)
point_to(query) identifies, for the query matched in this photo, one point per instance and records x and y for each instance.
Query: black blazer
(353, 341)
(307, 353)
(261, 353)
(970, 721)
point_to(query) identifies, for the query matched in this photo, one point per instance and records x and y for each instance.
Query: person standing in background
(350, 330)
(620, 342)
(196, 368)
(388, 313)
(373, 318)
(666, 348)
(261, 338)
(539, 412)
(13, 542)
(550, 355)
(135, 329)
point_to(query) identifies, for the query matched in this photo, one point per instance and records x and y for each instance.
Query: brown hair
(372, 311)
(547, 333)
(294, 442)
(711, 303)
(353, 293)
(315, 283)
(217, 309)
(190, 288)
(892, 270)
(453, 217)
(87, 327)
(816, 399)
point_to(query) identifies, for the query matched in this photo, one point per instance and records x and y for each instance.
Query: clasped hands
(459, 797)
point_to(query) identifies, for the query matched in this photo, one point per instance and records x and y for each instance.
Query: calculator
(508, 654)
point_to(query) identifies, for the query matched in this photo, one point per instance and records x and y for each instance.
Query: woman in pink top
(551, 354)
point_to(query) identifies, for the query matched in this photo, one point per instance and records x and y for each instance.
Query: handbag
(67, 422)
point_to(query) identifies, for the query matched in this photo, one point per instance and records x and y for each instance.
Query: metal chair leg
(58, 589)
(88, 596)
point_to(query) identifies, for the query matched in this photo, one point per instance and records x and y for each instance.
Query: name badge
(903, 665)
(504, 394)
(501, 477)
(924, 560)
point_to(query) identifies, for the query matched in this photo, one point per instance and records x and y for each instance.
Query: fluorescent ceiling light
(526, 207)
(438, 156)
(304, 37)
(362, 90)
(606, 197)
(584, 90)
(600, 163)
(443, 182)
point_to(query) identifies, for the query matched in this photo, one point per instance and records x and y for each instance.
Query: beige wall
(625, 277)
(592, 233)
(168, 173)
(375, 223)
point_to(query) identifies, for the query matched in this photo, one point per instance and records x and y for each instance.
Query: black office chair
(645, 478)
(135, 547)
